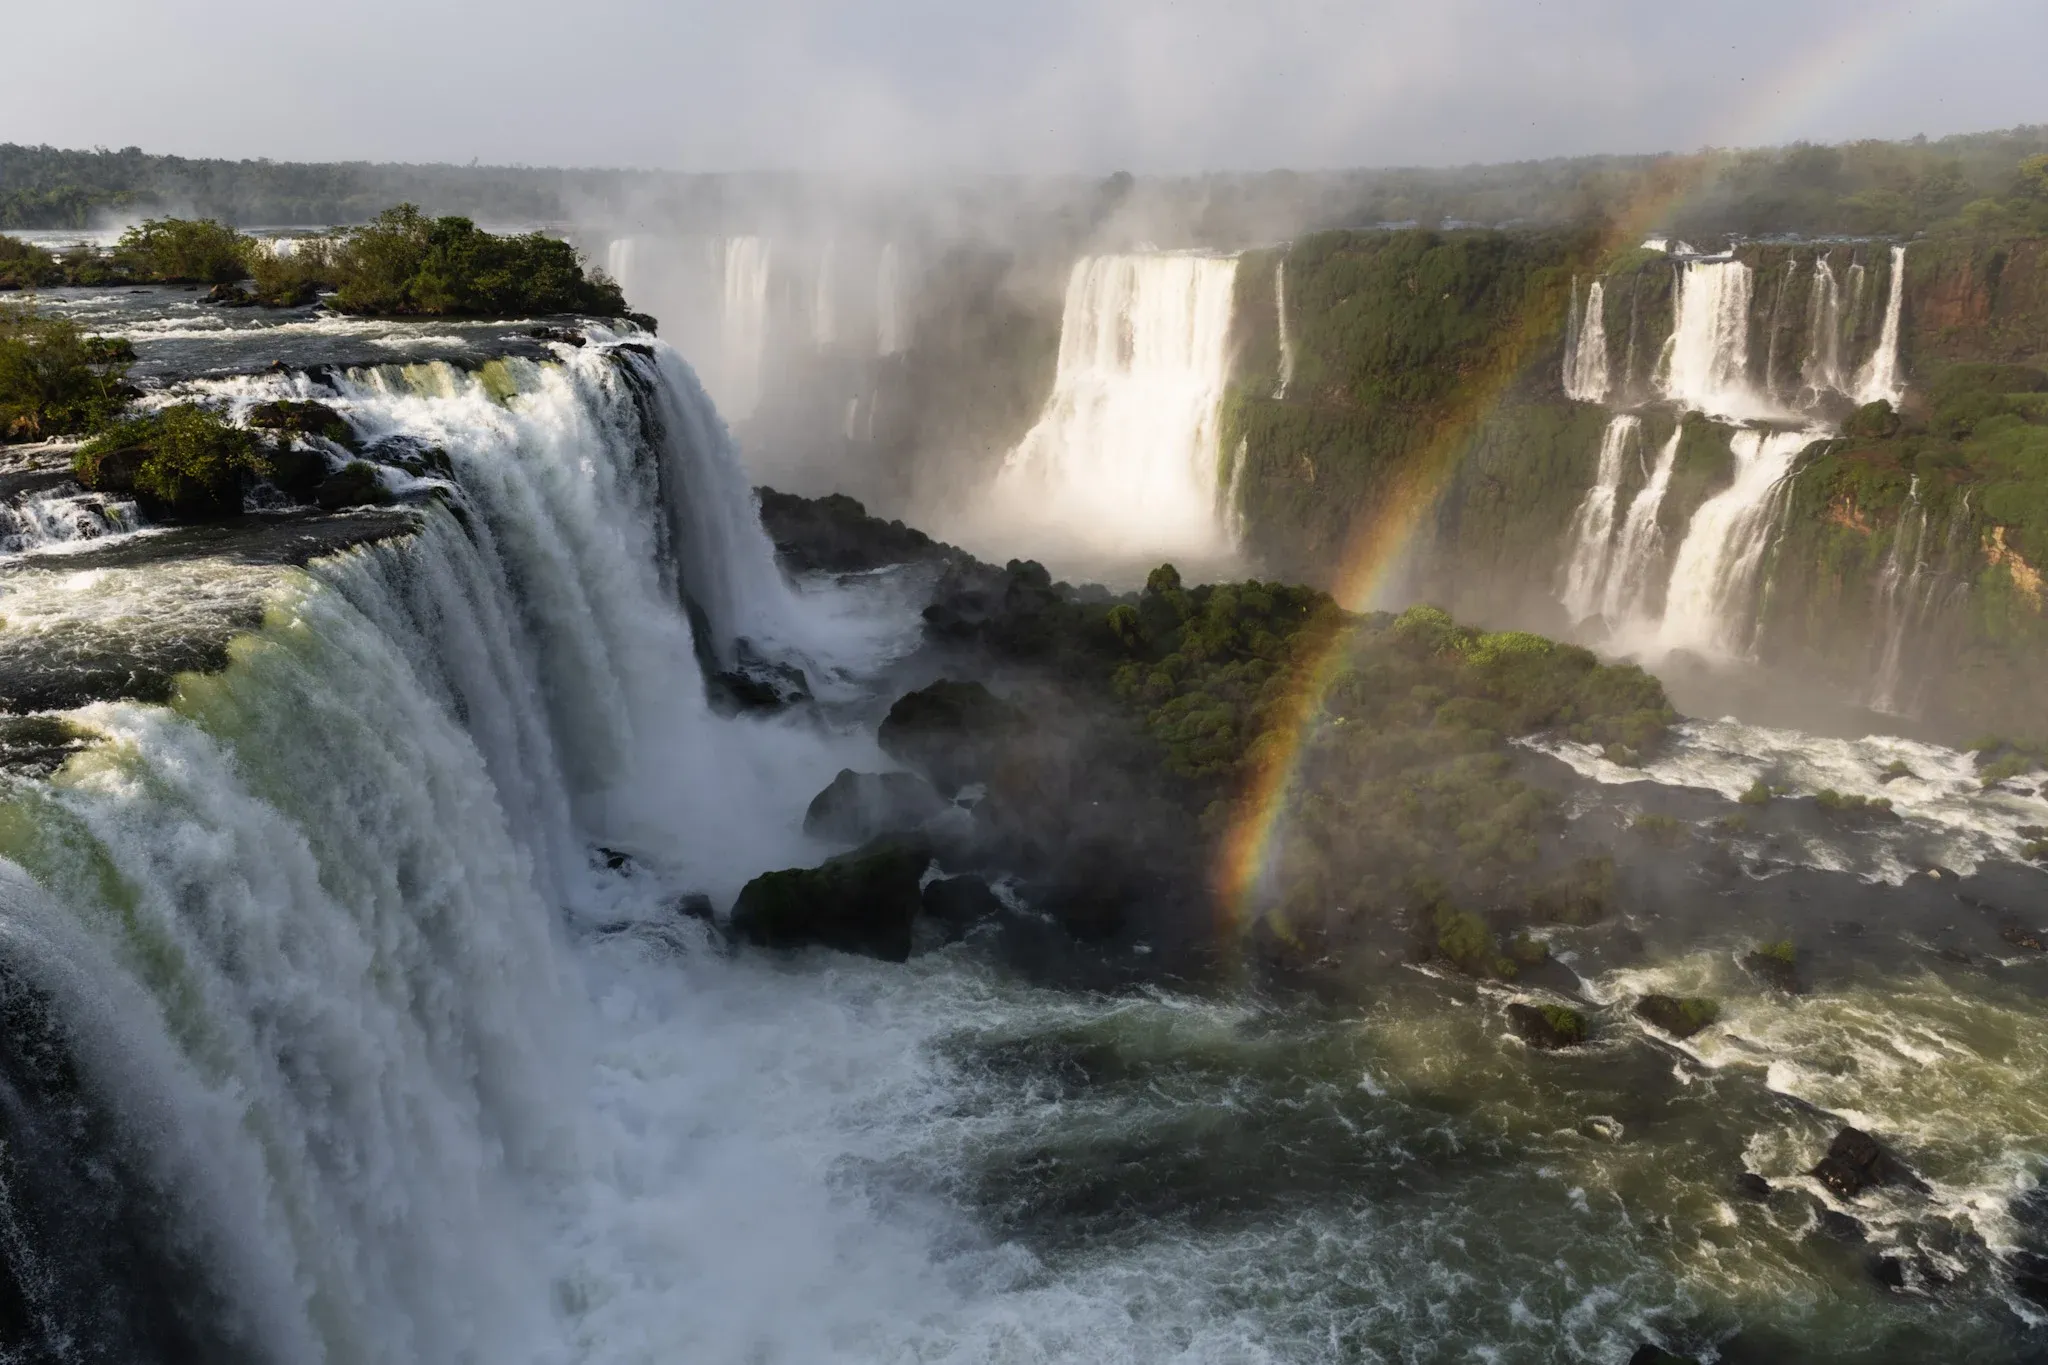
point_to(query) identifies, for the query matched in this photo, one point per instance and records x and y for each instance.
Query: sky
(1050, 85)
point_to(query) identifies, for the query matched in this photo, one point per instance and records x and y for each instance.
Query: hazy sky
(1057, 84)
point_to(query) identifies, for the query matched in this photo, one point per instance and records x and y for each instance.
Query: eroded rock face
(859, 806)
(863, 902)
(1857, 1162)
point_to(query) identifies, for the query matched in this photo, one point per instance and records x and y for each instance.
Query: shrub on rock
(862, 902)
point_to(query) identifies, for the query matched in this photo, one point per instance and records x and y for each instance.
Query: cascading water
(1592, 533)
(824, 304)
(42, 521)
(1710, 605)
(1586, 364)
(743, 325)
(1823, 370)
(1638, 550)
(892, 336)
(1878, 380)
(1707, 369)
(1914, 588)
(1125, 459)
(1286, 337)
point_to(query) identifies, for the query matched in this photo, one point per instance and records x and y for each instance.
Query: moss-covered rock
(1549, 1027)
(857, 807)
(1777, 963)
(1679, 1016)
(184, 462)
(863, 902)
(951, 730)
(292, 418)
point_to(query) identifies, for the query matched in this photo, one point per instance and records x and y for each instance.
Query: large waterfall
(1585, 354)
(1592, 533)
(303, 929)
(1710, 605)
(1286, 379)
(1706, 365)
(1879, 380)
(1125, 458)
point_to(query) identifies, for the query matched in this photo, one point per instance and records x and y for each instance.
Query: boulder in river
(950, 729)
(957, 904)
(1679, 1016)
(1857, 1162)
(862, 902)
(355, 484)
(859, 806)
(1549, 1027)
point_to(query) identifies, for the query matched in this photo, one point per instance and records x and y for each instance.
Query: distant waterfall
(1592, 532)
(1286, 337)
(1912, 590)
(1124, 459)
(1639, 547)
(824, 304)
(891, 336)
(1823, 370)
(743, 331)
(1585, 360)
(1707, 367)
(1879, 380)
(1710, 607)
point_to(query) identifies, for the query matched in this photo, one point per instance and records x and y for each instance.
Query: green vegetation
(1661, 830)
(186, 460)
(1783, 951)
(181, 251)
(54, 379)
(2000, 759)
(24, 265)
(1679, 1016)
(1759, 794)
(404, 263)
(1852, 804)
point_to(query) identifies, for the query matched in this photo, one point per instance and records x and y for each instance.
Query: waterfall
(891, 336)
(1879, 380)
(301, 930)
(1911, 592)
(824, 312)
(57, 518)
(743, 325)
(1708, 362)
(1823, 370)
(1586, 364)
(1639, 547)
(1710, 605)
(1776, 327)
(1124, 458)
(1592, 529)
(1286, 339)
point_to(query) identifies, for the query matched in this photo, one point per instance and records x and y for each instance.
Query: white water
(1592, 533)
(1124, 460)
(1879, 379)
(1706, 365)
(743, 325)
(824, 303)
(1638, 550)
(1286, 337)
(1710, 606)
(1823, 370)
(1585, 358)
(892, 332)
(53, 521)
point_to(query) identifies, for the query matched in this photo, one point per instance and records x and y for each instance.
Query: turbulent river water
(333, 1036)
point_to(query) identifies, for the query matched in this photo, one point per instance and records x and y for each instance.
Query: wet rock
(864, 902)
(292, 418)
(1778, 965)
(1857, 1162)
(959, 903)
(2021, 937)
(297, 472)
(694, 905)
(859, 806)
(1679, 1016)
(1888, 1271)
(355, 485)
(951, 730)
(1750, 1185)
(756, 684)
(1647, 1354)
(1838, 1226)
(612, 860)
(2030, 1276)
(1549, 1027)
(835, 534)
(568, 336)
(230, 296)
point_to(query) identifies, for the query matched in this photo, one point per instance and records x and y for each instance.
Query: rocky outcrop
(859, 806)
(835, 534)
(951, 730)
(863, 902)
(1857, 1162)
(1548, 1027)
(1681, 1017)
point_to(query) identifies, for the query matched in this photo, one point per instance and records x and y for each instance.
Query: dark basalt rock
(755, 684)
(2030, 1276)
(1750, 1185)
(1778, 965)
(1838, 1226)
(951, 730)
(863, 902)
(2021, 937)
(1549, 1027)
(694, 905)
(835, 534)
(859, 806)
(568, 336)
(355, 485)
(1857, 1162)
(1681, 1017)
(230, 296)
(293, 418)
(957, 904)
(297, 472)
(1647, 1354)
(1888, 1271)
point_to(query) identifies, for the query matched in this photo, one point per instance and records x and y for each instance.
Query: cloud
(915, 85)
